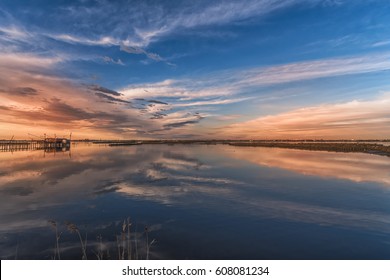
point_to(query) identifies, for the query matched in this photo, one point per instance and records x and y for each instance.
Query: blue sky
(195, 69)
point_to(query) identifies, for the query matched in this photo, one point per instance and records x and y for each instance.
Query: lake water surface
(197, 202)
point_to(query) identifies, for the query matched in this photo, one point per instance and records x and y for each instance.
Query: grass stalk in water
(148, 245)
(74, 229)
(124, 241)
(58, 236)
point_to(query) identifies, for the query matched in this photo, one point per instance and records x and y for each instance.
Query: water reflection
(199, 200)
(356, 167)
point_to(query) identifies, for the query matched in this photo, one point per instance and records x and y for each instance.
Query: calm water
(198, 202)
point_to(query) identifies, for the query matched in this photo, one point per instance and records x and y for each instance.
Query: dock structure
(48, 144)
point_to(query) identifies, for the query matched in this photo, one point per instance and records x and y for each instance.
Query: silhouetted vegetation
(128, 245)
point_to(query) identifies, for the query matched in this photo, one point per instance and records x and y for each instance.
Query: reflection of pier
(48, 145)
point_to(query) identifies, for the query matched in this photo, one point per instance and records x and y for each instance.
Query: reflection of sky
(185, 187)
(356, 167)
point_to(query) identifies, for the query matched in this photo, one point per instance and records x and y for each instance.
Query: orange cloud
(355, 119)
(34, 100)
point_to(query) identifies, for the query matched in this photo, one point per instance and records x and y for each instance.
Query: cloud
(181, 119)
(28, 61)
(55, 104)
(22, 91)
(315, 69)
(224, 87)
(212, 102)
(200, 14)
(151, 22)
(381, 44)
(229, 82)
(228, 117)
(169, 103)
(180, 124)
(14, 33)
(104, 90)
(33, 76)
(355, 119)
(46, 103)
(110, 98)
(107, 41)
(157, 102)
(105, 24)
(137, 50)
(72, 39)
(108, 59)
(182, 90)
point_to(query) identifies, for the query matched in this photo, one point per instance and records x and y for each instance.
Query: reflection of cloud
(191, 176)
(172, 195)
(353, 166)
(15, 175)
(321, 215)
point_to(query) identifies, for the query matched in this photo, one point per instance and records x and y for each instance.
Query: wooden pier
(49, 144)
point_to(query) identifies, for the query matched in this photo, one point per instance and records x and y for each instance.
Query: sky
(249, 69)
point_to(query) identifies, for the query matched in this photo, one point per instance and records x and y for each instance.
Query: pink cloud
(355, 119)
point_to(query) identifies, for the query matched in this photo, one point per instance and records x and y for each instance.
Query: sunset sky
(249, 69)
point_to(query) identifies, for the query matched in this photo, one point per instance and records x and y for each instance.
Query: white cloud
(315, 69)
(201, 14)
(381, 44)
(212, 102)
(108, 59)
(13, 32)
(102, 41)
(231, 82)
(27, 61)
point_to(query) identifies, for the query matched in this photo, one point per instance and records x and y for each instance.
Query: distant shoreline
(344, 146)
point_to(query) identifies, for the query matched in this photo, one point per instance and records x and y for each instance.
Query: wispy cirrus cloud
(108, 59)
(12, 33)
(153, 21)
(316, 69)
(225, 84)
(137, 50)
(218, 101)
(381, 44)
(149, 22)
(28, 61)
